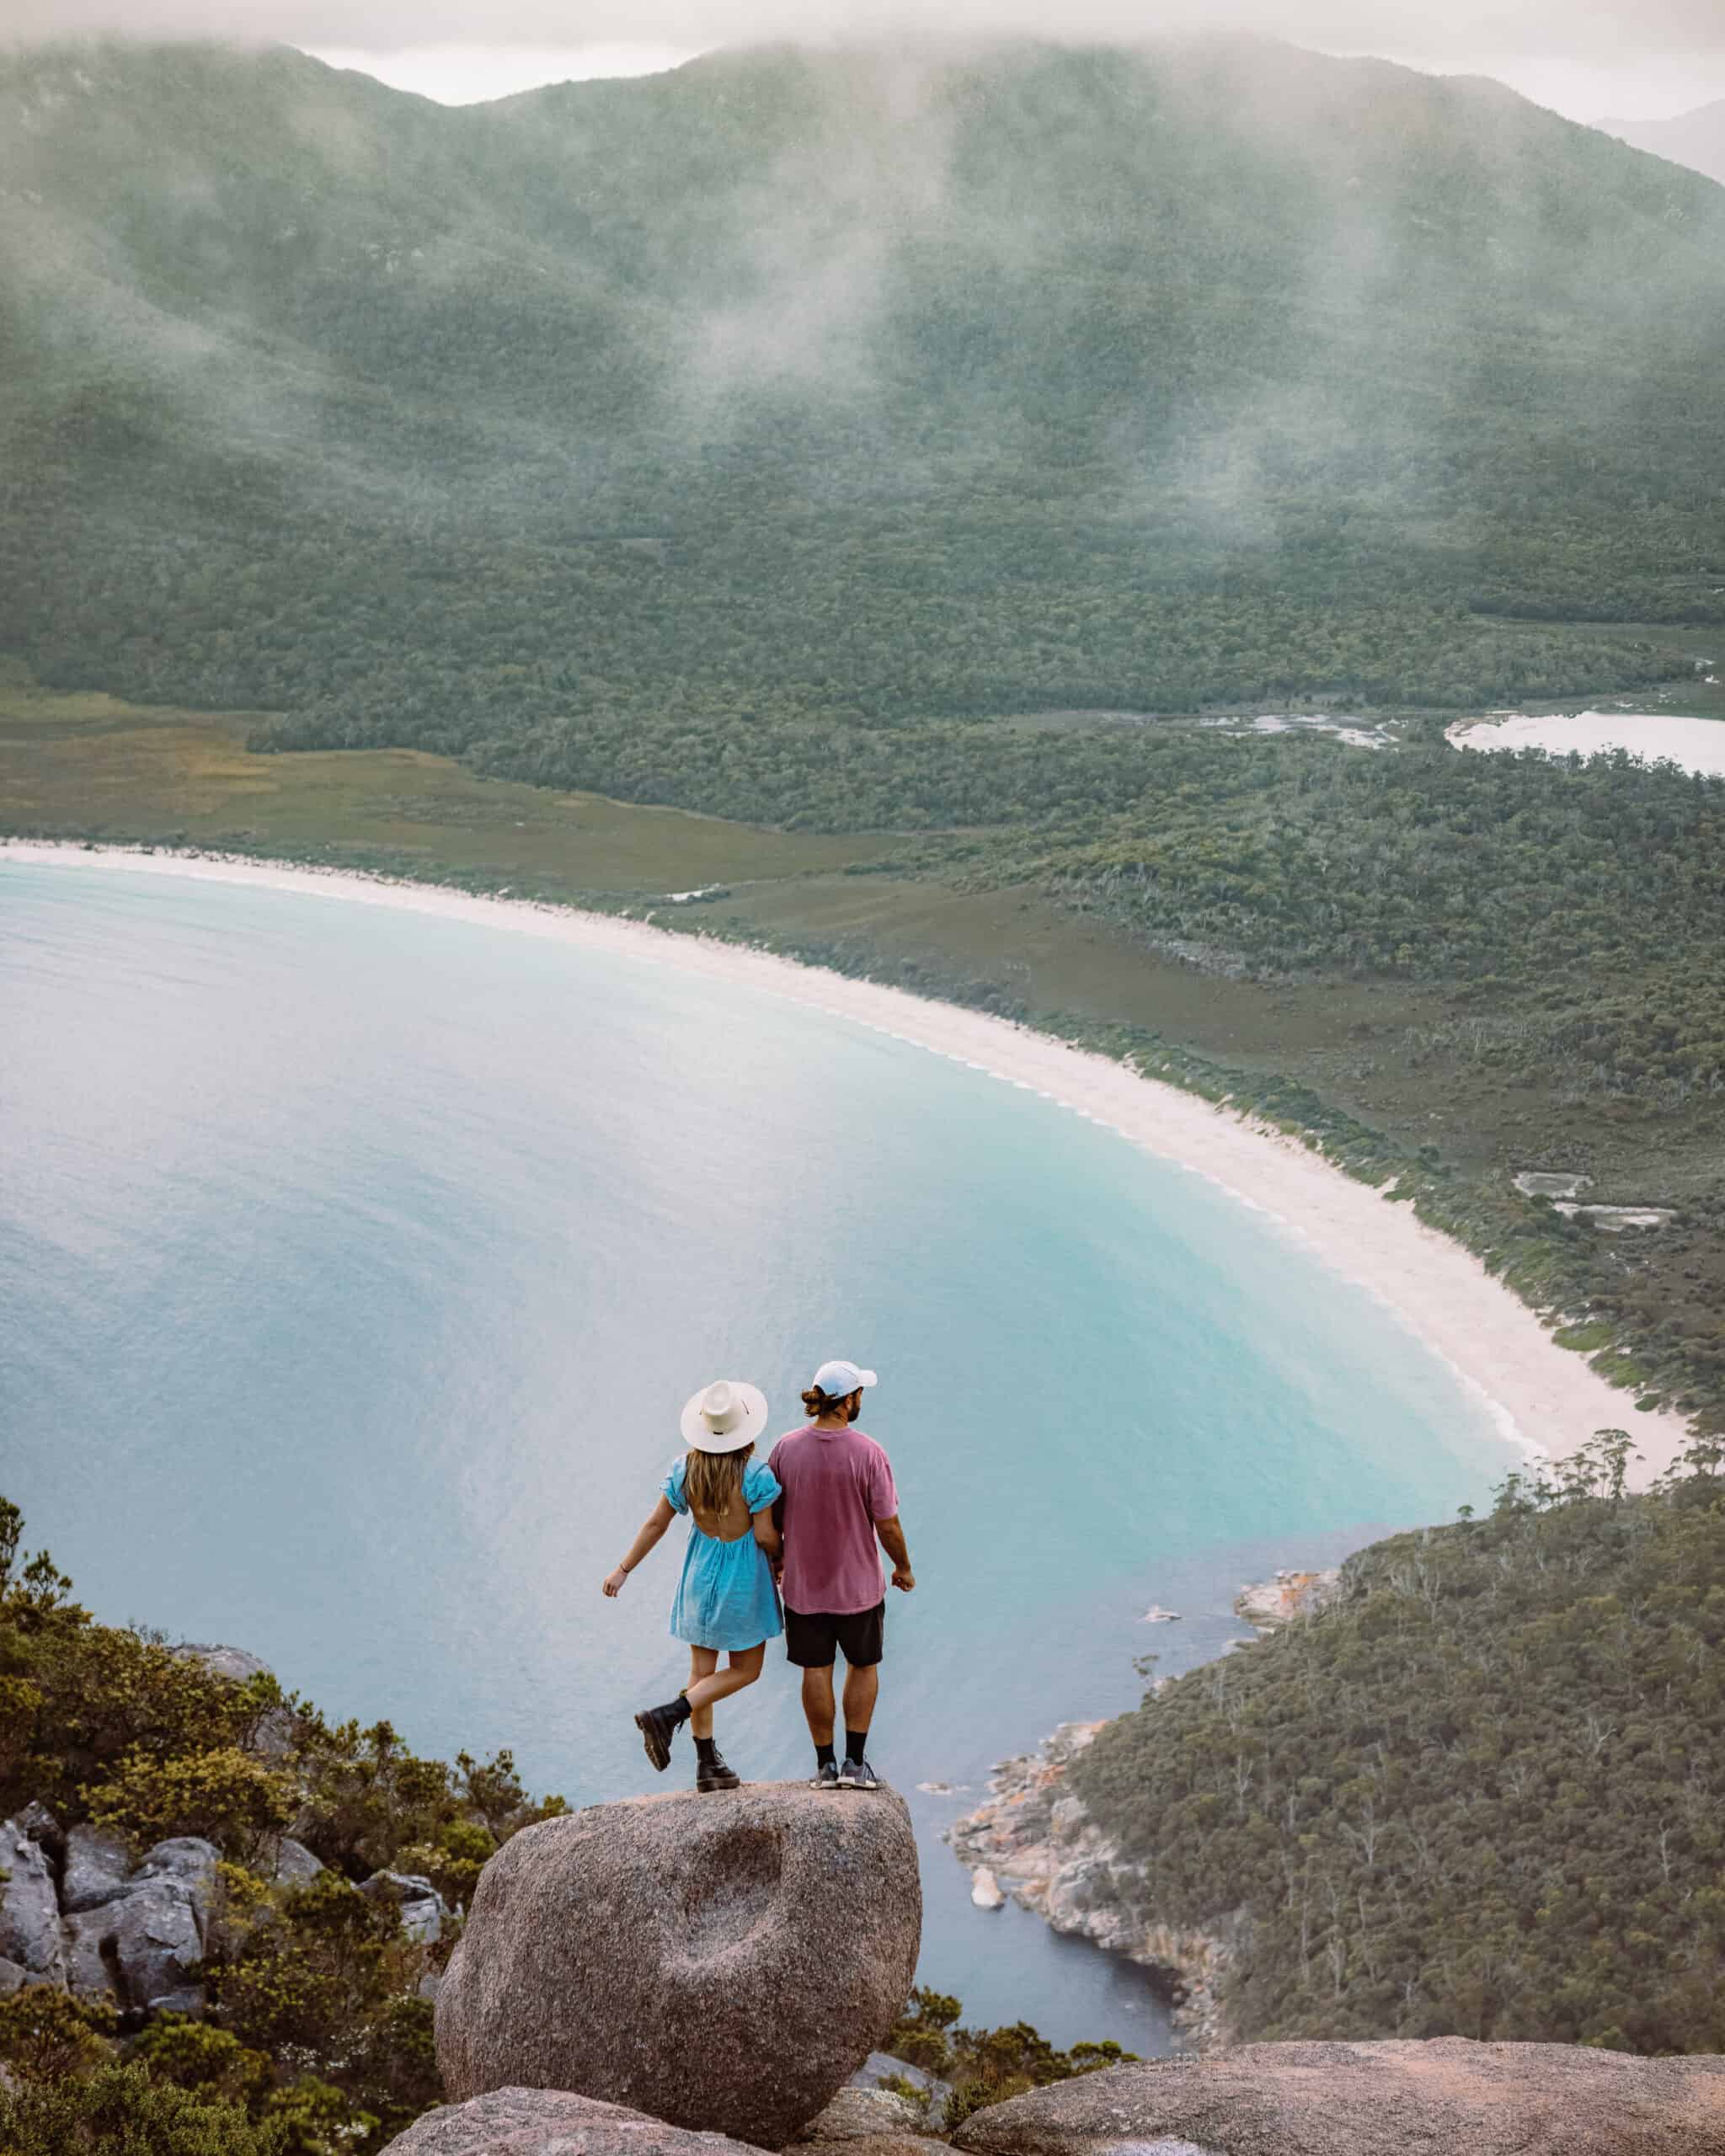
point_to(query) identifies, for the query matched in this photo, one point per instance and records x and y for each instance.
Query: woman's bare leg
(712, 1683)
(703, 1663)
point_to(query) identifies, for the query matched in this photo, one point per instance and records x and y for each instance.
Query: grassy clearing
(1381, 1070)
(92, 765)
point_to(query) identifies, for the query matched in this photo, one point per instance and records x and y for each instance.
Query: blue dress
(726, 1598)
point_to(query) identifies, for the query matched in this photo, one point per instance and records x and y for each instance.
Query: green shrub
(229, 1797)
(198, 2056)
(45, 2034)
(985, 2066)
(121, 2111)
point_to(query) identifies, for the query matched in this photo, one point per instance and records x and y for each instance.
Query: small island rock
(727, 1960)
(986, 1889)
(1373, 2099)
(550, 2122)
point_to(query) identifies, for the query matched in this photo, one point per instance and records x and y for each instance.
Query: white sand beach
(1543, 1397)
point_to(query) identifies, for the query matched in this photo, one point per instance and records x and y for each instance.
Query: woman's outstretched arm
(652, 1530)
(766, 1533)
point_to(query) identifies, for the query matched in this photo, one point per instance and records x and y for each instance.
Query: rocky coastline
(1032, 1841)
(1033, 1837)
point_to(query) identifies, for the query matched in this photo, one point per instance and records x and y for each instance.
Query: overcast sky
(1637, 59)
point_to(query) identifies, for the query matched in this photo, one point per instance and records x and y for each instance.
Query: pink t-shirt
(837, 1484)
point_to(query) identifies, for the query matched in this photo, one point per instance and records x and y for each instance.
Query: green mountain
(788, 400)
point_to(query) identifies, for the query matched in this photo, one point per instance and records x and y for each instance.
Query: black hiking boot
(658, 1725)
(714, 1774)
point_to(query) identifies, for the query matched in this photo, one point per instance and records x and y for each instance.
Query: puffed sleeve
(761, 1486)
(672, 1485)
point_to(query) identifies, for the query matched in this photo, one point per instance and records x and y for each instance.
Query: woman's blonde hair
(712, 1479)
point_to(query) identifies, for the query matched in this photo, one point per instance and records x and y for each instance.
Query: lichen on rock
(723, 1962)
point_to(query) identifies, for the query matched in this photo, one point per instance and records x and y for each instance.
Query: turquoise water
(354, 1262)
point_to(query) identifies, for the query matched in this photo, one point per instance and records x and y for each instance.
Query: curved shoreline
(1543, 1397)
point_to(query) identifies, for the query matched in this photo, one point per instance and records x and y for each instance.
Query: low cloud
(1436, 33)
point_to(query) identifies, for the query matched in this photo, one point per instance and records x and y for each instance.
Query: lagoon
(1697, 744)
(354, 1263)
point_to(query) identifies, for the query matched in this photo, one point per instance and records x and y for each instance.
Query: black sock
(678, 1709)
(824, 1756)
(706, 1750)
(856, 1744)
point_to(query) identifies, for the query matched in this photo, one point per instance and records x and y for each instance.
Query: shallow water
(1698, 745)
(354, 1262)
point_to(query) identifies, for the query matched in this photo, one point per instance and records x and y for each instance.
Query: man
(839, 1499)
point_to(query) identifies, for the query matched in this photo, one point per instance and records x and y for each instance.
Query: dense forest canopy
(1474, 1797)
(841, 392)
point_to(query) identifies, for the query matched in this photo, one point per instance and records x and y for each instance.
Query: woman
(726, 1601)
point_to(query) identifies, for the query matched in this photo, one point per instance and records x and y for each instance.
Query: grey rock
(548, 2123)
(158, 1943)
(424, 1911)
(294, 1864)
(882, 2066)
(91, 1969)
(232, 1662)
(14, 1977)
(901, 2143)
(274, 1731)
(44, 1829)
(29, 1906)
(729, 1960)
(1372, 2099)
(142, 1946)
(864, 2115)
(187, 1860)
(96, 1867)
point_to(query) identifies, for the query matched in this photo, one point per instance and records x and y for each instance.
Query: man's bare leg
(818, 1704)
(861, 1689)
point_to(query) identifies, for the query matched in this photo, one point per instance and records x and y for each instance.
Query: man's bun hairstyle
(819, 1403)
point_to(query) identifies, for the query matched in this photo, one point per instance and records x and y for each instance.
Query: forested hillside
(839, 393)
(1476, 1796)
(862, 442)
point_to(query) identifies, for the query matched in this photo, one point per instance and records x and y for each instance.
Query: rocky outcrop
(1289, 1596)
(423, 1910)
(726, 1962)
(141, 1946)
(273, 1734)
(98, 1865)
(1372, 2099)
(549, 2123)
(29, 1912)
(1034, 1837)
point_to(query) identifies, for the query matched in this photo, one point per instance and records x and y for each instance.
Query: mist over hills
(851, 390)
(1696, 139)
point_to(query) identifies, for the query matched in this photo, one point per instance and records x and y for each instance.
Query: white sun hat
(839, 1381)
(724, 1416)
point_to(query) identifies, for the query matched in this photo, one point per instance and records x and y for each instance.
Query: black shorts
(812, 1641)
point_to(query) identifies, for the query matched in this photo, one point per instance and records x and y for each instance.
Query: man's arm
(892, 1540)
